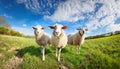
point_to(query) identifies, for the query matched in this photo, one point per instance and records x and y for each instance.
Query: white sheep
(59, 38)
(42, 39)
(77, 38)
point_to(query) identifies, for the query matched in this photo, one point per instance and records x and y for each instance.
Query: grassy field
(24, 53)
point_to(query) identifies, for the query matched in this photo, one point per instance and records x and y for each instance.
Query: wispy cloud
(100, 13)
(106, 16)
(113, 27)
(24, 25)
(40, 6)
(72, 11)
(7, 16)
(32, 5)
(95, 14)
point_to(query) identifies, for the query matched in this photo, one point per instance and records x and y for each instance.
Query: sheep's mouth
(37, 33)
(56, 34)
(80, 33)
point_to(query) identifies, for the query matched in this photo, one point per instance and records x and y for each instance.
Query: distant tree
(111, 33)
(96, 36)
(117, 32)
(4, 23)
(103, 35)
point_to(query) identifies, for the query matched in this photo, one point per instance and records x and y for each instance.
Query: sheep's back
(70, 39)
(78, 40)
(43, 40)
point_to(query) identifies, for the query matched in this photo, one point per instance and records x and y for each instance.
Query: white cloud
(92, 25)
(25, 31)
(111, 11)
(24, 25)
(113, 27)
(39, 6)
(7, 16)
(32, 5)
(71, 10)
(74, 10)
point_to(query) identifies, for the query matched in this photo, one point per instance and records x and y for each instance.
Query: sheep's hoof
(43, 60)
(58, 60)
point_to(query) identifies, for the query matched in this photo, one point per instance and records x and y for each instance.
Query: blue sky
(99, 16)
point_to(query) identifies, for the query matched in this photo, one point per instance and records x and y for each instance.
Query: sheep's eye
(83, 31)
(55, 27)
(36, 29)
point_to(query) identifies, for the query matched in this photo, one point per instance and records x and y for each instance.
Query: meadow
(24, 53)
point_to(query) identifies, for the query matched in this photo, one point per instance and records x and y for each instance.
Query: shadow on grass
(32, 50)
(64, 50)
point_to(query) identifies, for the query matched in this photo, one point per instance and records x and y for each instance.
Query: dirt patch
(61, 66)
(1, 55)
(13, 63)
(3, 48)
(13, 49)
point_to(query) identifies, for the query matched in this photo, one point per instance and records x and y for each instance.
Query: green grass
(101, 53)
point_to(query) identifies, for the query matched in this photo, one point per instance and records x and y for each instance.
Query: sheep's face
(38, 29)
(81, 31)
(57, 29)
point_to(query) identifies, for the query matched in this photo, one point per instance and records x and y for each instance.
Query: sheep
(77, 38)
(59, 38)
(42, 39)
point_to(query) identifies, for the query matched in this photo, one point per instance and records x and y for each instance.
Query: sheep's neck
(39, 36)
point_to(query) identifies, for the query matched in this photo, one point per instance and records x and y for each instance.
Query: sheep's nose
(37, 31)
(56, 33)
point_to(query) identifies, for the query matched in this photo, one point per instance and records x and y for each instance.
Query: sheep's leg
(56, 52)
(78, 49)
(71, 47)
(43, 54)
(41, 50)
(59, 51)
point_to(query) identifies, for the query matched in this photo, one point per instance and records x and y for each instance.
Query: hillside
(24, 53)
(104, 35)
(6, 31)
(5, 28)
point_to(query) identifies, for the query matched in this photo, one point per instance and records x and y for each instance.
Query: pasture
(24, 53)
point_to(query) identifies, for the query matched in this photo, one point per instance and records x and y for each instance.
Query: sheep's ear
(33, 27)
(86, 29)
(64, 27)
(43, 28)
(51, 27)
